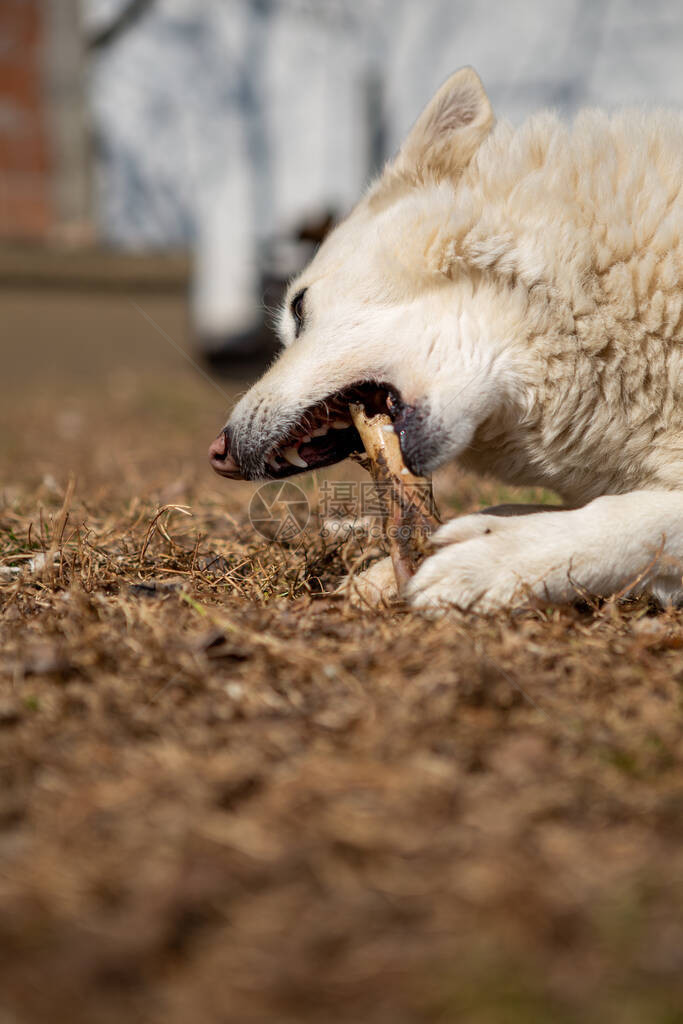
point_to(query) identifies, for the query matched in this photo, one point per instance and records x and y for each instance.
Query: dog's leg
(616, 544)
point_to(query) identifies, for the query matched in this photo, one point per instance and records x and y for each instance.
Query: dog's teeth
(306, 439)
(319, 431)
(340, 424)
(294, 459)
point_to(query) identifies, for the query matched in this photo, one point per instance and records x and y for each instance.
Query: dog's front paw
(485, 563)
(373, 588)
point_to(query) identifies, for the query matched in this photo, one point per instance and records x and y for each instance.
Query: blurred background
(203, 147)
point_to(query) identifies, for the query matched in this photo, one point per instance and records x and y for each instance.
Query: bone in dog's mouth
(325, 434)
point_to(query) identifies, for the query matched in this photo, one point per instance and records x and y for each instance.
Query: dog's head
(391, 311)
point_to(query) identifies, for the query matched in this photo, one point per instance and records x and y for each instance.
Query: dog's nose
(220, 457)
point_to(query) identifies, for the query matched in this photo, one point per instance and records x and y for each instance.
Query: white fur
(524, 287)
(616, 544)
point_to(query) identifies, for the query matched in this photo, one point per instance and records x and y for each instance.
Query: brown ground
(226, 798)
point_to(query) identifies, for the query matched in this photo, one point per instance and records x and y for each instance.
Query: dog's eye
(297, 308)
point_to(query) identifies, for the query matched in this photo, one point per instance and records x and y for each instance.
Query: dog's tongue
(407, 501)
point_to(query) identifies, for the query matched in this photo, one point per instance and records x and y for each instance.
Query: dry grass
(224, 797)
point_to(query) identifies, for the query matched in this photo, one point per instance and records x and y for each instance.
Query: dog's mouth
(325, 434)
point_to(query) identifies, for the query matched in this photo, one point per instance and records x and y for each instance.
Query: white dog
(514, 297)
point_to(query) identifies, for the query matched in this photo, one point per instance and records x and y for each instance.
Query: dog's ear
(449, 130)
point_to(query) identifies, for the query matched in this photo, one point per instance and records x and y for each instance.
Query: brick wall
(26, 209)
